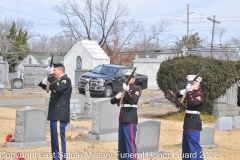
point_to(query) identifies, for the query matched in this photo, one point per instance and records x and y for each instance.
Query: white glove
(44, 81)
(125, 87)
(49, 70)
(182, 92)
(189, 88)
(119, 95)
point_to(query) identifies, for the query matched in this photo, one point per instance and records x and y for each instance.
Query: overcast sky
(148, 11)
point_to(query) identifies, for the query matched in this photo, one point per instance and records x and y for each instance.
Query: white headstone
(207, 136)
(223, 123)
(236, 122)
(148, 135)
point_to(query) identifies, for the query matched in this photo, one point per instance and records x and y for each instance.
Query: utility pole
(214, 21)
(188, 19)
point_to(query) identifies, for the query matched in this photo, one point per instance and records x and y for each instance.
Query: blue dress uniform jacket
(128, 114)
(193, 121)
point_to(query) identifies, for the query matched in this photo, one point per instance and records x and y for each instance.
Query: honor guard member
(128, 118)
(192, 126)
(59, 108)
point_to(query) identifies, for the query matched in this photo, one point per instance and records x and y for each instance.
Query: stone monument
(30, 128)
(88, 104)
(4, 72)
(207, 136)
(16, 84)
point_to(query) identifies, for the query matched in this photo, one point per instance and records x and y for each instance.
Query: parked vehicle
(107, 79)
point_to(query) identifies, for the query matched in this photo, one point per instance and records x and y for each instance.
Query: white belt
(129, 105)
(192, 112)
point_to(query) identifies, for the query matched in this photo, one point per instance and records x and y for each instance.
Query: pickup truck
(107, 79)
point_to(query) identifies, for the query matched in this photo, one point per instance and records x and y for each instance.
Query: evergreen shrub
(218, 75)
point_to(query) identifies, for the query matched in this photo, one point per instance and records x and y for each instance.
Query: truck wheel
(81, 92)
(108, 91)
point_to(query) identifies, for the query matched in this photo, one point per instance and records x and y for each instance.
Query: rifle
(127, 82)
(50, 65)
(183, 97)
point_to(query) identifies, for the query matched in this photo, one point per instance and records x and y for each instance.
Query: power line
(28, 14)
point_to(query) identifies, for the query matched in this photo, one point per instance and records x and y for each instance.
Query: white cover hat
(127, 72)
(191, 77)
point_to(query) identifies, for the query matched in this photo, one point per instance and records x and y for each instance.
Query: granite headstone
(30, 128)
(104, 120)
(207, 136)
(17, 84)
(236, 122)
(223, 123)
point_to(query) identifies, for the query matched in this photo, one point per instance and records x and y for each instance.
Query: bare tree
(220, 31)
(148, 37)
(95, 20)
(58, 44)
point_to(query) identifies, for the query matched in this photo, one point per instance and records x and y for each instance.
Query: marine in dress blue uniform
(128, 119)
(59, 108)
(191, 149)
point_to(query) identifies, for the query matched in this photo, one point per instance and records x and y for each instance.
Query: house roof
(92, 48)
(41, 57)
(217, 53)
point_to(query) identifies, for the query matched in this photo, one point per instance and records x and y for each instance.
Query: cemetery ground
(78, 148)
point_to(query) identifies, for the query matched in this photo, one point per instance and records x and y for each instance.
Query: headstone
(104, 120)
(30, 128)
(34, 74)
(4, 72)
(2, 86)
(207, 136)
(223, 123)
(16, 84)
(148, 135)
(88, 103)
(76, 107)
(236, 122)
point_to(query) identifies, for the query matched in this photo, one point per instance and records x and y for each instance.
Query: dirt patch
(170, 135)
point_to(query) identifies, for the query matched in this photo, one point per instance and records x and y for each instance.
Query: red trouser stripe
(132, 141)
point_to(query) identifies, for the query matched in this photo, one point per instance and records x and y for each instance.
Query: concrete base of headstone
(14, 90)
(102, 137)
(236, 122)
(28, 144)
(207, 146)
(207, 136)
(223, 123)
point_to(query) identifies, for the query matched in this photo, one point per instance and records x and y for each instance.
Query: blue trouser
(191, 149)
(58, 142)
(126, 141)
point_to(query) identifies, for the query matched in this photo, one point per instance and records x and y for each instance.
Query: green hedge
(218, 75)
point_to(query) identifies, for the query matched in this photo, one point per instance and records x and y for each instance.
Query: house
(84, 55)
(222, 53)
(37, 58)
